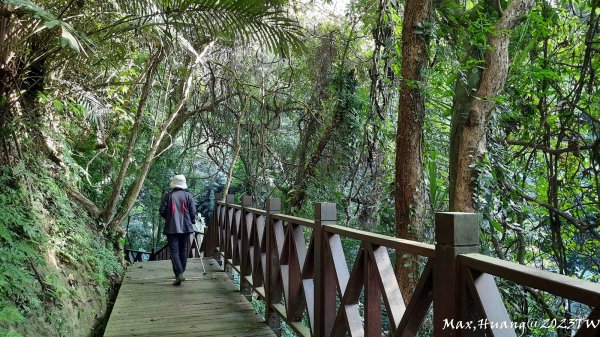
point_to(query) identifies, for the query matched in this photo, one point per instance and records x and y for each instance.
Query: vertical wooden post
(228, 243)
(372, 298)
(455, 233)
(273, 206)
(245, 267)
(209, 239)
(325, 278)
(213, 239)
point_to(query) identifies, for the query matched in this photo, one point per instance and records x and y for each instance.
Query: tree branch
(582, 226)
(547, 149)
(82, 200)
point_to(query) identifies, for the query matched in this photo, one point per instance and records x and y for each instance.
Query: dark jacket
(178, 208)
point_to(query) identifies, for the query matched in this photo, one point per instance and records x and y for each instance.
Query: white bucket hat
(178, 181)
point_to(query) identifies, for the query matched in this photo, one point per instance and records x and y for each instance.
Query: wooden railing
(133, 255)
(196, 240)
(298, 268)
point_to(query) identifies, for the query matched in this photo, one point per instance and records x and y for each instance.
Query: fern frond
(246, 20)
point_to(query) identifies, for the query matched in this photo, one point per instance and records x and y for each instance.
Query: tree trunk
(461, 104)
(464, 93)
(131, 197)
(236, 152)
(473, 141)
(84, 202)
(153, 63)
(410, 189)
(308, 170)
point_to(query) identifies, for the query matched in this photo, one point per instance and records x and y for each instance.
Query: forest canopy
(394, 110)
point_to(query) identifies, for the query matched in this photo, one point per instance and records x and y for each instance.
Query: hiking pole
(201, 258)
(202, 263)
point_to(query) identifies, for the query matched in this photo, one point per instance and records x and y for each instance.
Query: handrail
(137, 251)
(256, 211)
(163, 252)
(133, 256)
(294, 219)
(575, 289)
(408, 246)
(297, 271)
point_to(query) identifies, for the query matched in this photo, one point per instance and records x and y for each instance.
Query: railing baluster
(273, 206)
(229, 222)
(209, 232)
(372, 298)
(325, 279)
(245, 266)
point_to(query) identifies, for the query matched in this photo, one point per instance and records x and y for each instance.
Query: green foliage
(9, 316)
(247, 21)
(44, 240)
(68, 35)
(543, 150)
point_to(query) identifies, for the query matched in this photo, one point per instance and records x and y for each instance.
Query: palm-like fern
(264, 21)
(247, 20)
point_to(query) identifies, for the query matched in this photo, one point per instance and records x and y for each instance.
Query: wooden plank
(487, 296)
(204, 305)
(389, 285)
(348, 319)
(355, 326)
(256, 211)
(299, 328)
(419, 304)
(297, 254)
(569, 287)
(373, 312)
(591, 326)
(295, 220)
(324, 273)
(309, 296)
(339, 262)
(407, 246)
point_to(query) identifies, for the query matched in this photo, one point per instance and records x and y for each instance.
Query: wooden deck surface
(204, 305)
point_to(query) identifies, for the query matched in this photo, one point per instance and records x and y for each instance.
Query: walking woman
(178, 208)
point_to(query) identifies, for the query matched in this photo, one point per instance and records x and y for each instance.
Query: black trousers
(179, 248)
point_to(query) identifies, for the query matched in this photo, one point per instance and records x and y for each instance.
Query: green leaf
(51, 24)
(496, 225)
(68, 40)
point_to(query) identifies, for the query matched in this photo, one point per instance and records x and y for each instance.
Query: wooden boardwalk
(204, 305)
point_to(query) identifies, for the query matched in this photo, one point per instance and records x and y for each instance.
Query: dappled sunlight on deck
(204, 305)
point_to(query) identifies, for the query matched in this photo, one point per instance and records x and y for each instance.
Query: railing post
(273, 206)
(455, 233)
(209, 238)
(228, 225)
(245, 270)
(212, 240)
(324, 274)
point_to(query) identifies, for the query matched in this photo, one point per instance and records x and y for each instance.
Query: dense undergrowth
(56, 269)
